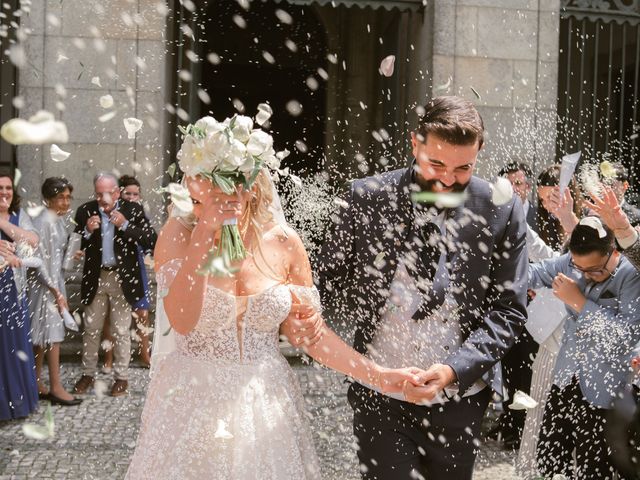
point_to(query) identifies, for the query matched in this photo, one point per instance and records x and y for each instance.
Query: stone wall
(507, 51)
(69, 43)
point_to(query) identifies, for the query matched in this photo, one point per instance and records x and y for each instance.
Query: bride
(225, 404)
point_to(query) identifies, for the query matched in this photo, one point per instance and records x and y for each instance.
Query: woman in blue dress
(18, 388)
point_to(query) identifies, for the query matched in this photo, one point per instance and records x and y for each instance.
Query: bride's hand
(218, 208)
(392, 380)
(303, 327)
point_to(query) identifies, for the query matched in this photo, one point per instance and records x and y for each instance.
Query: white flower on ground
(502, 191)
(106, 101)
(57, 154)
(264, 113)
(387, 65)
(39, 129)
(132, 125)
(96, 81)
(522, 401)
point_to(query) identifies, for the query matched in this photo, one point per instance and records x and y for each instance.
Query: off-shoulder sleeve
(307, 295)
(166, 275)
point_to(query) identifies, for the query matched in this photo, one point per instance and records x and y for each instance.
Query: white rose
(242, 128)
(181, 198)
(259, 143)
(249, 163)
(209, 125)
(192, 158)
(216, 146)
(235, 155)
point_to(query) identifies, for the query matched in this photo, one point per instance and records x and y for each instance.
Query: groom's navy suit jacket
(488, 268)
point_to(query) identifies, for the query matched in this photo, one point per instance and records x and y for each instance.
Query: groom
(438, 288)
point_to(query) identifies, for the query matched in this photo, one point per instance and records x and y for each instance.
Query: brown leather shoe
(84, 384)
(119, 388)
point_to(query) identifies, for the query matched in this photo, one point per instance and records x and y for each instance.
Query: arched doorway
(269, 52)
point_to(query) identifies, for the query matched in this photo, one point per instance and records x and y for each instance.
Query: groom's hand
(435, 379)
(303, 327)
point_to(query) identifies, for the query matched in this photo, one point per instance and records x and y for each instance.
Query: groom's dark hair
(453, 119)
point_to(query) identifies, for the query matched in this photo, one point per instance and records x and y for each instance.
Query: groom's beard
(429, 185)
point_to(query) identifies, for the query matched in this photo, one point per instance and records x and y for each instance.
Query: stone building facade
(502, 54)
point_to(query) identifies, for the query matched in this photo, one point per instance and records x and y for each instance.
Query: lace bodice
(237, 328)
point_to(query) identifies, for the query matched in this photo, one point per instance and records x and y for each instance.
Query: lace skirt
(220, 420)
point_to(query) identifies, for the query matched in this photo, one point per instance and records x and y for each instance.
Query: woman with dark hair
(599, 288)
(46, 289)
(18, 389)
(550, 228)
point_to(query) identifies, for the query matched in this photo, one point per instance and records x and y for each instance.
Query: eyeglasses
(594, 271)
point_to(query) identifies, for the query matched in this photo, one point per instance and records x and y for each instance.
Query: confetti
(501, 191)
(132, 125)
(522, 401)
(106, 101)
(57, 154)
(387, 65)
(41, 128)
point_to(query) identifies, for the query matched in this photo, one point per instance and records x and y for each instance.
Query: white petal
(132, 125)
(387, 64)
(39, 129)
(17, 176)
(57, 154)
(264, 113)
(36, 432)
(502, 191)
(522, 401)
(222, 432)
(106, 101)
(106, 117)
(96, 81)
(296, 180)
(61, 58)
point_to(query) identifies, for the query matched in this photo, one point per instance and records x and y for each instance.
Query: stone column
(507, 52)
(121, 43)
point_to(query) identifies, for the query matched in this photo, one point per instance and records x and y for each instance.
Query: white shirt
(400, 341)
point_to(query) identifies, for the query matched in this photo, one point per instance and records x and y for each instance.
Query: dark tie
(427, 266)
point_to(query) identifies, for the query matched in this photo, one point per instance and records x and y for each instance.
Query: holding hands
(431, 383)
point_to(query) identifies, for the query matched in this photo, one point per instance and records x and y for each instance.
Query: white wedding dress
(225, 404)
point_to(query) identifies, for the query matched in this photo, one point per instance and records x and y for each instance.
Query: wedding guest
(516, 364)
(112, 229)
(520, 176)
(620, 185)
(46, 288)
(600, 290)
(18, 387)
(130, 191)
(549, 226)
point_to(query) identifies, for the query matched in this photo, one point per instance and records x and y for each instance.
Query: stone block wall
(503, 55)
(122, 43)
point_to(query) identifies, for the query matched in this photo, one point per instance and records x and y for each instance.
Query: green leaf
(171, 171)
(225, 183)
(254, 174)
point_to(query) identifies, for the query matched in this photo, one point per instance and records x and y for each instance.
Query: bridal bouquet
(231, 154)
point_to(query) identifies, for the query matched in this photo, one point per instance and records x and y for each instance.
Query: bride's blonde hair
(260, 214)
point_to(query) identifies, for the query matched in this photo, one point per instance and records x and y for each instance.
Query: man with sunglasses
(600, 290)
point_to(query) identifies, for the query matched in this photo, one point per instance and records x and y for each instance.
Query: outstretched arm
(330, 350)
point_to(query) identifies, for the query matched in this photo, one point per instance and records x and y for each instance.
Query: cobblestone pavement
(96, 439)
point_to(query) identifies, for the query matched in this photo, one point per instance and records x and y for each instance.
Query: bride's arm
(330, 350)
(184, 299)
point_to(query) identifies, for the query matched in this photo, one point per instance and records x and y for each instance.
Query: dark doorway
(270, 52)
(598, 85)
